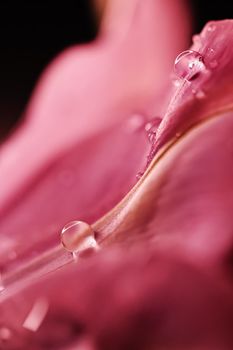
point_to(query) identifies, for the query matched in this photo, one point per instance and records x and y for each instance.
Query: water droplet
(199, 93)
(37, 314)
(189, 64)
(178, 134)
(5, 333)
(139, 175)
(177, 82)
(135, 122)
(211, 27)
(151, 128)
(78, 236)
(210, 50)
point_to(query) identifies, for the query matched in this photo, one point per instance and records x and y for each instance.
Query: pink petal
(88, 88)
(211, 92)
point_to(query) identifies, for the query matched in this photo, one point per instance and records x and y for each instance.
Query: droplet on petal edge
(78, 236)
(188, 65)
(211, 27)
(139, 175)
(151, 128)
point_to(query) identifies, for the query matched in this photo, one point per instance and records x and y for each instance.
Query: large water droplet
(151, 128)
(78, 236)
(189, 64)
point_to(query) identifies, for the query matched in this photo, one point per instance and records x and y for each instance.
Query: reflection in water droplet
(37, 314)
(78, 236)
(189, 64)
(5, 333)
(151, 128)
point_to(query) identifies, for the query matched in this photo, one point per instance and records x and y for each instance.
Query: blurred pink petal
(87, 88)
(126, 299)
(58, 165)
(144, 296)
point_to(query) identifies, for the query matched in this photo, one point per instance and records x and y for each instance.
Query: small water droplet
(139, 175)
(210, 50)
(135, 122)
(178, 134)
(211, 27)
(5, 333)
(78, 236)
(199, 93)
(188, 65)
(177, 82)
(151, 128)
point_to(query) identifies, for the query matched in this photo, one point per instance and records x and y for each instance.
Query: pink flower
(162, 279)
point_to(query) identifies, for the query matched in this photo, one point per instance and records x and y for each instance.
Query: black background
(32, 33)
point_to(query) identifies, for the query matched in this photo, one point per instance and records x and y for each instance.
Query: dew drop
(188, 65)
(177, 82)
(5, 333)
(211, 28)
(78, 236)
(139, 175)
(151, 128)
(199, 94)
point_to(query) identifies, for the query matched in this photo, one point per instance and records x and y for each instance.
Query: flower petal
(212, 90)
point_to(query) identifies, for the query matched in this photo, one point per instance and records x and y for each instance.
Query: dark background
(33, 33)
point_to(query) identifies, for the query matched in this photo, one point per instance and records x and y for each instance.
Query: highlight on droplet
(188, 65)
